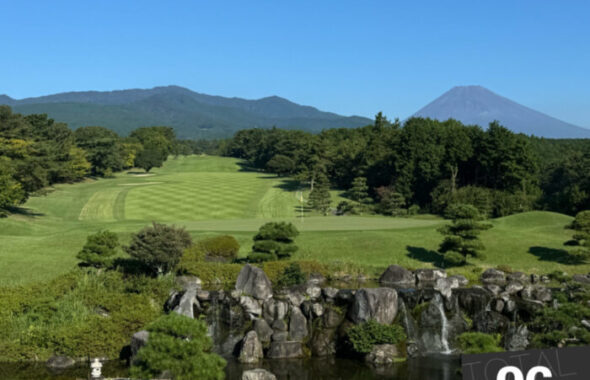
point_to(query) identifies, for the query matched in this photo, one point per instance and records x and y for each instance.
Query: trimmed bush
(225, 247)
(99, 249)
(292, 275)
(363, 337)
(211, 272)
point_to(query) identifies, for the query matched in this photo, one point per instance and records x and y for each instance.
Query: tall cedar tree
(159, 247)
(320, 198)
(462, 235)
(581, 237)
(359, 191)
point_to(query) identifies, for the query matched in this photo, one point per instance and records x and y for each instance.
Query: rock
(462, 280)
(490, 322)
(274, 309)
(263, 330)
(295, 298)
(518, 277)
(280, 336)
(498, 305)
(323, 342)
(329, 293)
(509, 306)
(138, 340)
(258, 374)
(535, 278)
(204, 295)
(251, 351)
(398, 276)
(254, 282)
(517, 339)
(379, 304)
(60, 362)
(332, 317)
(345, 295)
(188, 282)
(187, 303)
(285, 350)
(279, 325)
(493, 276)
(314, 292)
(473, 300)
(495, 289)
(235, 294)
(542, 294)
(316, 279)
(545, 279)
(513, 287)
(297, 325)
(527, 292)
(585, 323)
(445, 286)
(382, 354)
(317, 309)
(250, 306)
(581, 278)
(427, 277)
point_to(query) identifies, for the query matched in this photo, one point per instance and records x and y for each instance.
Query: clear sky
(349, 57)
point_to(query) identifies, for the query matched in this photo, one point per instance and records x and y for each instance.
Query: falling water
(444, 331)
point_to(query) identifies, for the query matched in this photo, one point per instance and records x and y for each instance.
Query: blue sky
(349, 57)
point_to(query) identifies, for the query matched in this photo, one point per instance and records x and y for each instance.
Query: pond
(431, 368)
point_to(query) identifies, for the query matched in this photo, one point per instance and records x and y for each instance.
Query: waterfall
(408, 322)
(444, 330)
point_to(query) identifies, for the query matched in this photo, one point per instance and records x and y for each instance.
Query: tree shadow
(23, 211)
(556, 255)
(289, 185)
(247, 167)
(426, 256)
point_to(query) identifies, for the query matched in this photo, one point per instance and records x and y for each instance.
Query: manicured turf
(210, 195)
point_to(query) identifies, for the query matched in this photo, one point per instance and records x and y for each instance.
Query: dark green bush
(211, 272)
(180, 345)
(274, 241)
(292, 275)
(364, 336)
(99, 249)
(479, 343)
(225, 247)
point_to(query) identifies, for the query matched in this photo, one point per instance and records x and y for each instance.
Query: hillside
(211, 195)
(480, 106)
(193, 115)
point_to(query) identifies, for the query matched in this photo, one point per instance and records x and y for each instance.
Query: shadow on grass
(426, 256)
(556, 255)
(24, 212)
(247, 167)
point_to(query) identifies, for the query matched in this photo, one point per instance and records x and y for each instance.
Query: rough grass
(213, 195)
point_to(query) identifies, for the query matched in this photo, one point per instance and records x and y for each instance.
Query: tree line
(36, 152)
(426, 164)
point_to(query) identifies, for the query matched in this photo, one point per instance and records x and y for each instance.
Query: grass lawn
(212, 195)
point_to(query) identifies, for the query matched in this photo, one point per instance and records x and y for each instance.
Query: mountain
(193, 115)
(478, 105)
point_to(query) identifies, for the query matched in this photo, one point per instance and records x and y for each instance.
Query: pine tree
(359, 191)
(320, 198)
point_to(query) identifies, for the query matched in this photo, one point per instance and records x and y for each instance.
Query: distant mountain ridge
(193, 115)
(478, 105)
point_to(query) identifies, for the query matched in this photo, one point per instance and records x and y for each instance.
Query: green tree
(99, 249)
(319, 198)
(359, 191)
(102, 147)
(581, 237)
(391, 202)
(149, 158)
(11, 192)
(274, 240)
(280, 164)
(159, 247)
(180, 346)
(462, 235)
(479, 343)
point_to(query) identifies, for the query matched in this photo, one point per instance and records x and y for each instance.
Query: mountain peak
(477, 105)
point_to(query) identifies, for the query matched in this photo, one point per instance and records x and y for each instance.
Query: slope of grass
(211, 195)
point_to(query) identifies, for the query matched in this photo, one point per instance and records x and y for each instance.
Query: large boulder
(285, 350)
(517, 339)
(493, 276)
(251, 351)
(428, 277)
(254, 282)
(398, 276)
(263, 330)
(323, 342)
(474, 300)
(582, 278)
(251, 306)
(382, 354)
(258, 374)
(138, 340)
(379, 304)
(274, 309)
(297, 325)
(187, 303)
(445, 286)
(58, 363)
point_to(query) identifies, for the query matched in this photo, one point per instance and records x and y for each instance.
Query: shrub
(364, 336)
(413, 210)
(479, 343)
(99, 249)
(274, 241)
(225, 247)
(181, 346)
(159, 247)
(292, 275)
(211, 272)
